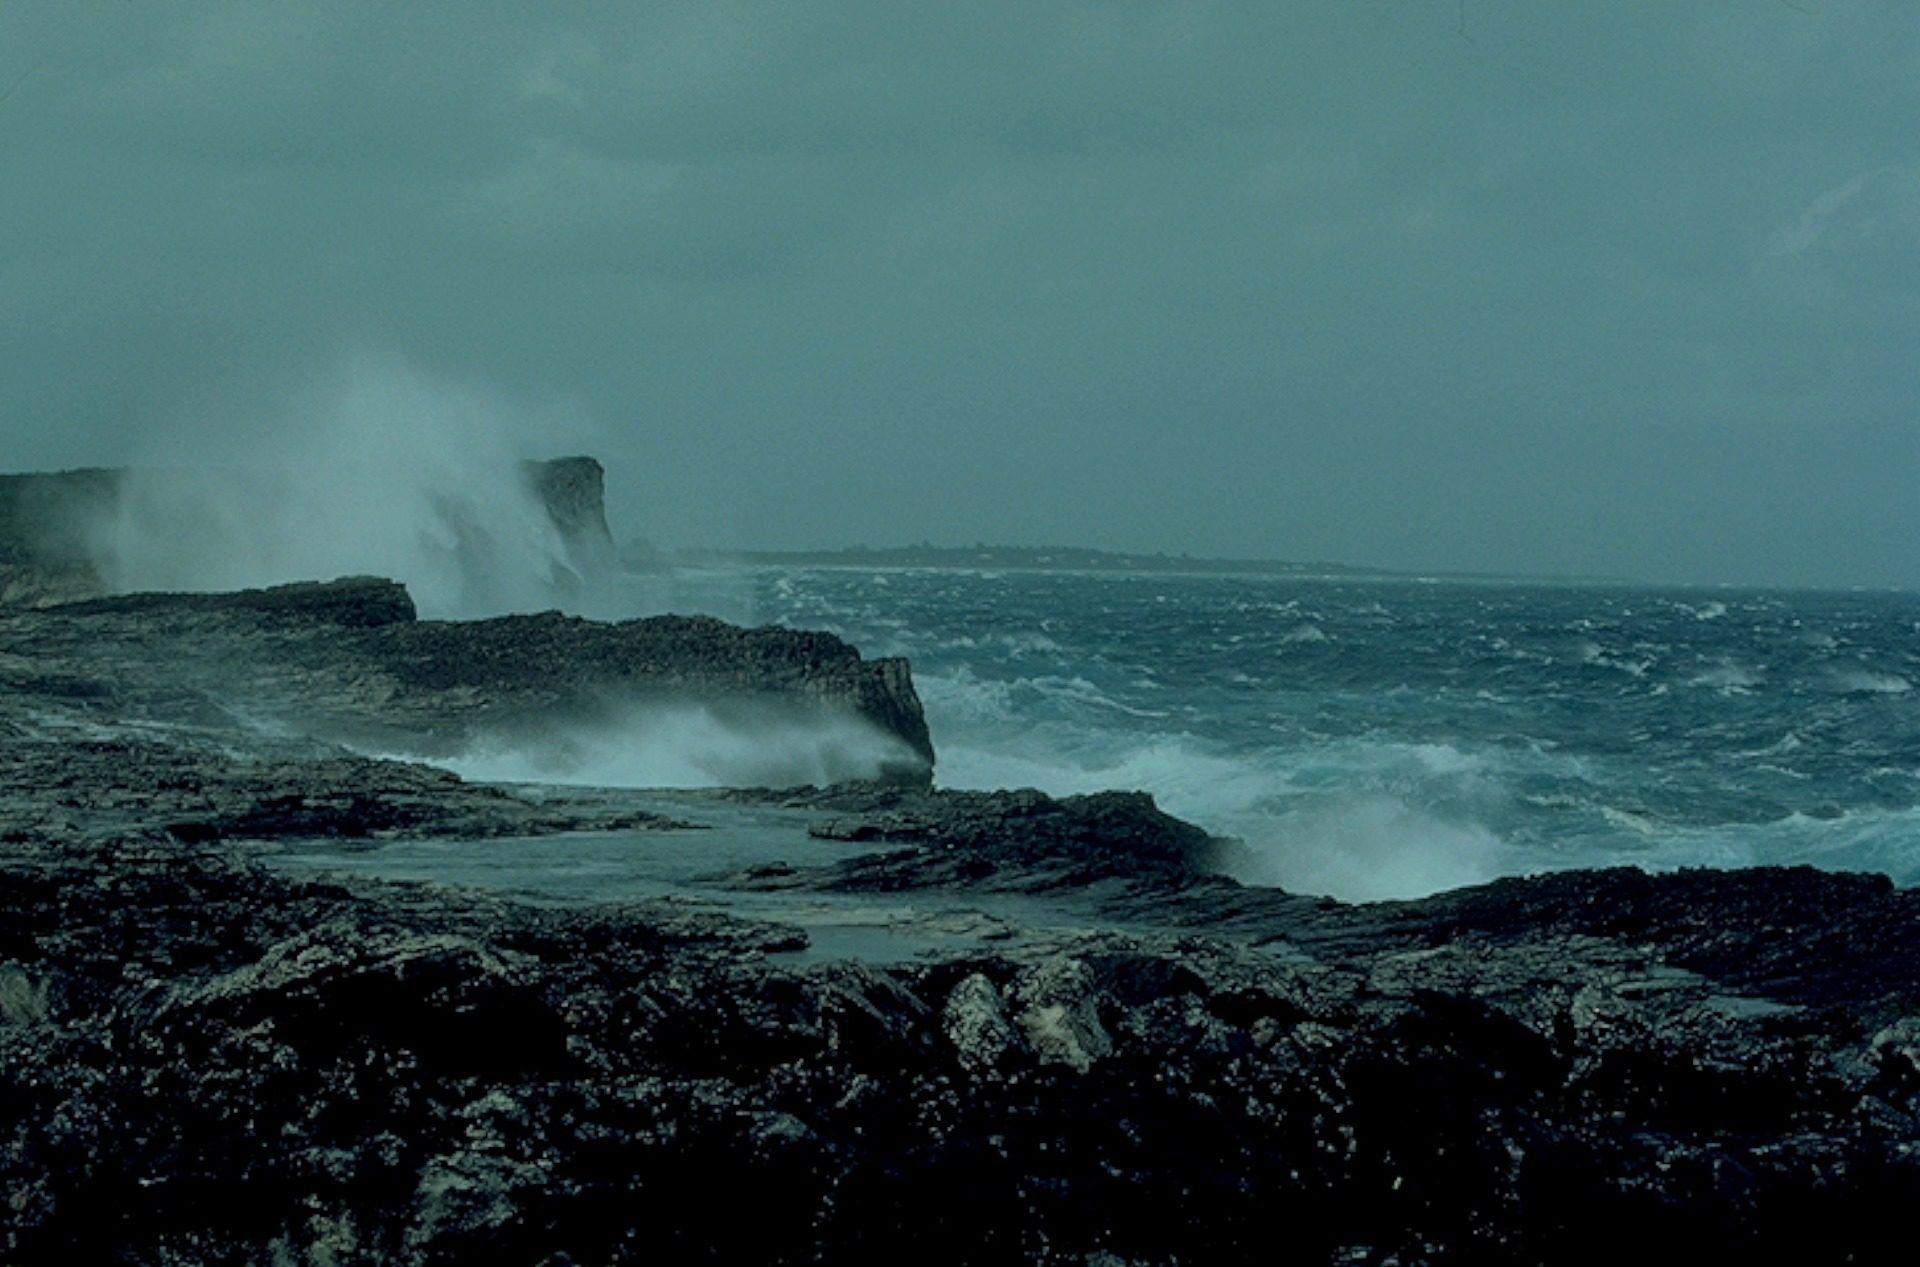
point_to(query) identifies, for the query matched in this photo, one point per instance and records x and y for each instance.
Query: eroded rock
(975, 1022)
(396, 1075)
(347, 661)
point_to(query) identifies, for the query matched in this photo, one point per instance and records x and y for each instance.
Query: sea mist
(389, 473)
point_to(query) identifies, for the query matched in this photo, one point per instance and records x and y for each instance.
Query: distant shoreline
(1082, 559)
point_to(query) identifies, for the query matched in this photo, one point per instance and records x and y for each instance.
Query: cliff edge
(350, 661)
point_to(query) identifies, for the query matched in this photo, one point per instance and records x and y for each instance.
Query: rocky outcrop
(1138, 1062)
(1018, 840)
(1093, 1050)
(348, 661)
(574, 492)
(51, 541)
(202, 1062)
(91, 787)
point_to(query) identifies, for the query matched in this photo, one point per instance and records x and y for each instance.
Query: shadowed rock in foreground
(208, 1059)
(204, 1063)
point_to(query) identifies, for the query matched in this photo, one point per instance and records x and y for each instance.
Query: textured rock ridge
(347, 660)
(1022, 839)
(203, 1062)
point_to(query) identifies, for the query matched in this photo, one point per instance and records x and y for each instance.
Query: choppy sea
(1390, 739)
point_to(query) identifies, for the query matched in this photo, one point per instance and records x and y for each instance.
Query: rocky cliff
(1092, 1049)
(574, 491)
(46, 551)
(349, 661)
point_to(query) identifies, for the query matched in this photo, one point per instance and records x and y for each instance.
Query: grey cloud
(1625, 288)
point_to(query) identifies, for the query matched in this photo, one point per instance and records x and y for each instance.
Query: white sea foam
(1358, 819)
(1727, 677)
(1434, 795)
(1349, 842)
(1366, 848)
(687, 745)
(1871, 682)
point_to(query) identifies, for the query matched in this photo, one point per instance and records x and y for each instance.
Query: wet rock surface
(202, 1061)
(347, 660)
(99, 788)
(574, 491)
(1021, 839)
(1098, 1052)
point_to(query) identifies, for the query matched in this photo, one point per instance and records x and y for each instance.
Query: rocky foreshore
(205, 1062)
(1083, 1045)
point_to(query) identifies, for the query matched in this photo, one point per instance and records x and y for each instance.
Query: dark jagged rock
(1567, 1069)
(354, 602)
(1126, 1060)
(201, 1063)
(1024, 839)
(1797, 934)
(346, 660)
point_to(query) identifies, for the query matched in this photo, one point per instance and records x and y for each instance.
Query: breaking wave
(1362, 821)
(1869, 682)
(687, 745)
(1423, 737)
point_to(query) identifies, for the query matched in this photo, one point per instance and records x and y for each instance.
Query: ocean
(1388, 739)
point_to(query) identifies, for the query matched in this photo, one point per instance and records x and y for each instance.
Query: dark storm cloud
(1628, 288)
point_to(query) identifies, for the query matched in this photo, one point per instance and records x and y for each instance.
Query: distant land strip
(1084, 559)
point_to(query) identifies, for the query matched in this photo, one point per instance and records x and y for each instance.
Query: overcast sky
(1627, 288)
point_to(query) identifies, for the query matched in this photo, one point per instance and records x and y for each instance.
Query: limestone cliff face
(51, 544)
(574, 491)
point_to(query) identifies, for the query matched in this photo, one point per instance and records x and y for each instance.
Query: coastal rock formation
(204, 1062)
(348, 661)
(574, 492)
(88, 786)
(1137, 1061)
(1057, 1036)
(1022, 839)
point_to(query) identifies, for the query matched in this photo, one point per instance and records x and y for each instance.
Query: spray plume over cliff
(391, 474)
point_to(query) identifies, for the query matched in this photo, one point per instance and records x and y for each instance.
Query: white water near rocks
(1363, 740)
(689, 745)
(1388, 739)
